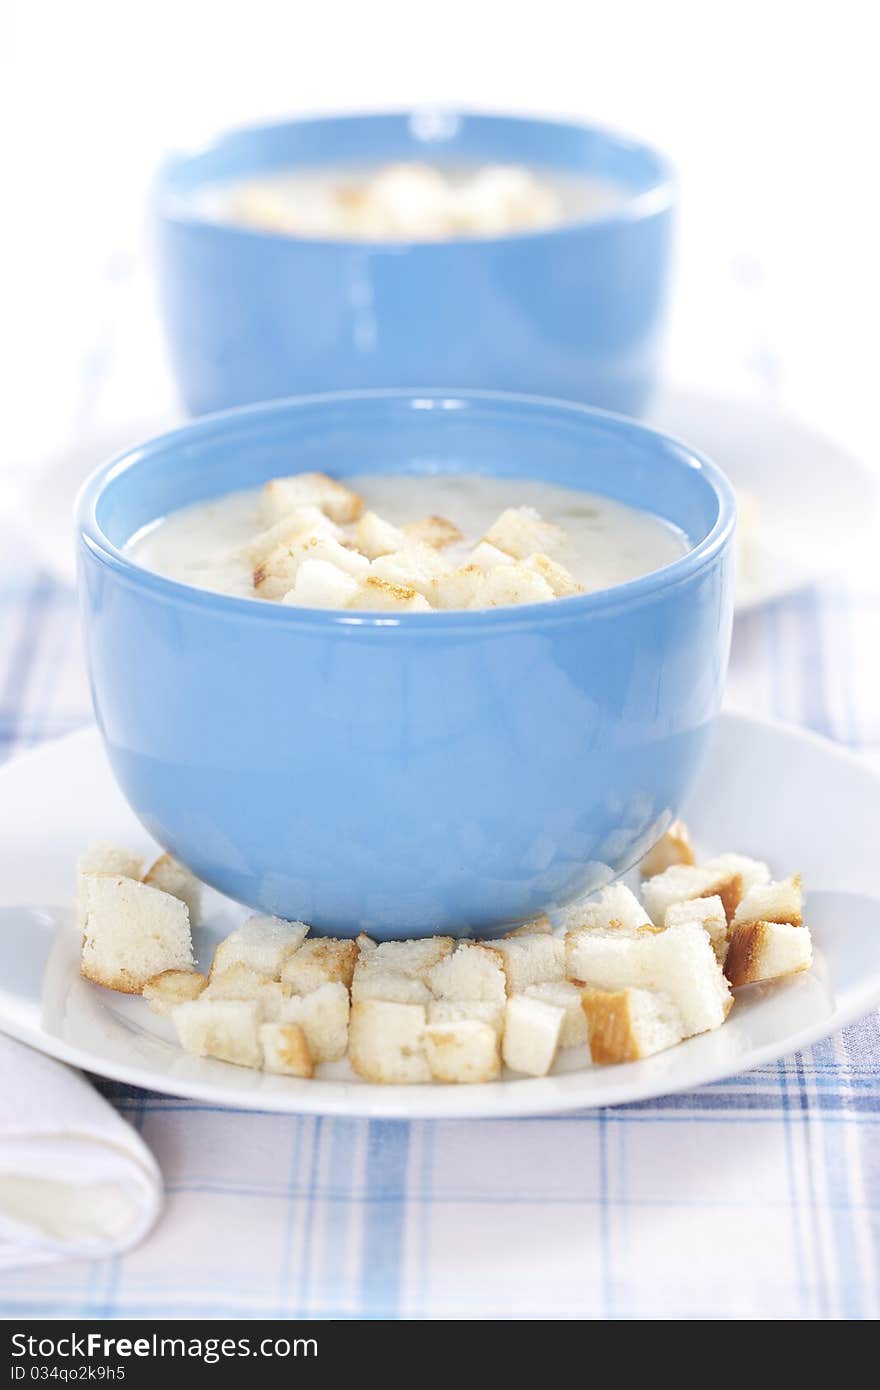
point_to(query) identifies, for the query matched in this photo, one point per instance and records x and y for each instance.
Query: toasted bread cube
(285, 532)
(434, 531)
(538, 926)
(415, 566)
(749, 871)
(681, 882)
(460, 588)
(772, 902)
(285, 1049)
(378, 595)
(175, 878)
(323, 1017)
(223, 1028)
(320, 584)
(561, 581)
(371, 981)
(242, 982)
(680, 963)
(627, 1025)
(172, 987)
(472, 971)
(530, 960)
(521, 532)
(709, 914)
(513, 584)
(263, 943)
(474, 1010)
(532, 1030)
(386, 1042)
(488, 557)
(466, 1052)
(284, 495)
(767, 951)
(131, 932)
(275, 576)
(364, 943)
(616, 906)
(104, 858)
(672, 848)
(414, 958)
(606, 959)
(321, 960)
(374, 536)
(562, 994)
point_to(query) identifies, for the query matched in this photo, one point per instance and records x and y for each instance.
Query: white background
(770, 111)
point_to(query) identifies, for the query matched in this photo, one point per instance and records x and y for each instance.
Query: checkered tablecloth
(755, 1198)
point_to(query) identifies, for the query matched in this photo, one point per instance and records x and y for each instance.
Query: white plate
(56, 800)
(813, 500)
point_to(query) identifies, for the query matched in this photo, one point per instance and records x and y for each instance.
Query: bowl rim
(658, 197)
(630, 594)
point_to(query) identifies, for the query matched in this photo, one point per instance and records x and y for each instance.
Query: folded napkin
(76, 1182)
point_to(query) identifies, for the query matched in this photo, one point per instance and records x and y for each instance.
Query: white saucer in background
(55, 801)
(814, 503)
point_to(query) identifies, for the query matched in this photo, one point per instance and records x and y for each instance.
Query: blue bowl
(572, 311)
(454, 771)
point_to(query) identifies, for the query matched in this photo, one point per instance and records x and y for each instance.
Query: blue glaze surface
(440, 771)
(573, 311)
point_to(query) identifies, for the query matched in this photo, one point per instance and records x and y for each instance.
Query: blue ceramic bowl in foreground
(575, 310)
(455, 771)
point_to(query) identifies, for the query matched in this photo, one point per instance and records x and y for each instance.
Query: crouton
(413, 958)
(466, 1051)
(435, 531)
(240, 981)
(460, 588)
(488, 557)
(415, 566)
(320, 961)
(131, 932)
(476, 1010)
(521, 532)
(616, 906)
(387, 1042)
(283, 495)
(606, 959)
(680, 963)
(562, 994)
(276, 575)
(285, 1049)
(767, 951)
(532, 1030)
(709, 914)
(175, 878)
(473, 971)
(538, 926)
(750, 871)
(323, 1017)
(172, 987)
(530, 960)
(104, 858)
(364, 943)
(562, 583)
(320, 584)
(681, 882)
(263, 943)
(223, 1028)
(672, 848)
(772, 902)
(285, 531)
(374, 536)
(370, 981)
(512, 584)
(381, 596)
(627, 1025)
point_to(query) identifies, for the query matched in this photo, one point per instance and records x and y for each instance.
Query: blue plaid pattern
(755, 1198)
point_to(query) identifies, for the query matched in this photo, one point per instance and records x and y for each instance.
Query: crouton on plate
(627, 1025)
(131, 932)
(532, 1032)
(285, 1049)
(386, 1042)
(462, 1051)
(175, 878)
(760, 951)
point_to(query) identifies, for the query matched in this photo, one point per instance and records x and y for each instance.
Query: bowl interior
(406, 432)
(440, 137)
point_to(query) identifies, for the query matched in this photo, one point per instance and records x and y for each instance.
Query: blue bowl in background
(573, 311)
(454, 771)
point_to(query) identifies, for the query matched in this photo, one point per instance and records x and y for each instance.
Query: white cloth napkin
(76, 1181)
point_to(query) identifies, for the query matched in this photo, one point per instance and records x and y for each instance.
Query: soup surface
(407, 541)
(406, 201)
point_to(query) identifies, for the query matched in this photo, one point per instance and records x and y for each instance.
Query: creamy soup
(409, 543)
(406, 201)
